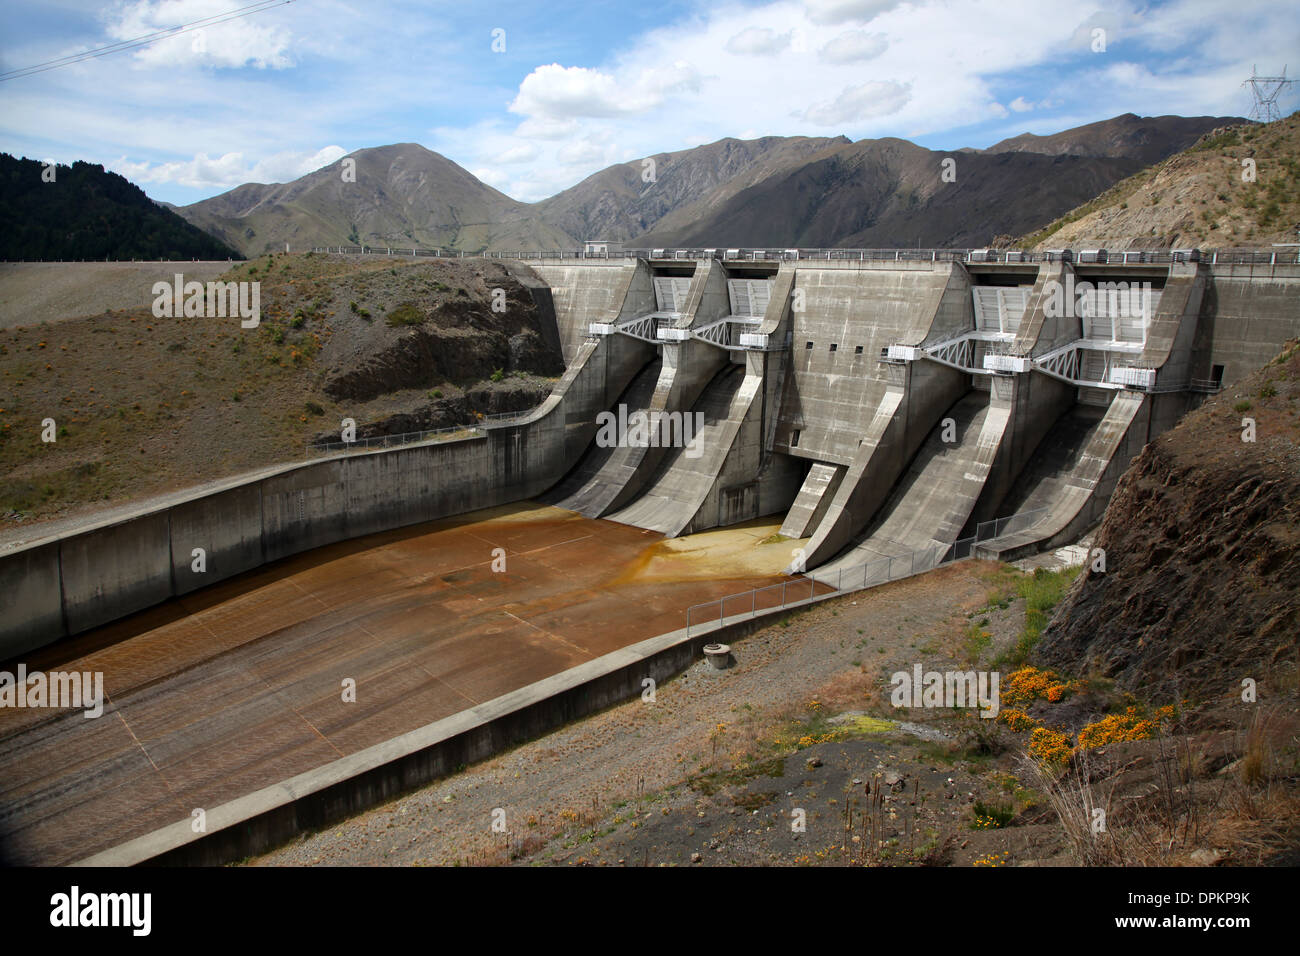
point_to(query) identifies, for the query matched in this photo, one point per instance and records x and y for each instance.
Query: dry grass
(1163, 807)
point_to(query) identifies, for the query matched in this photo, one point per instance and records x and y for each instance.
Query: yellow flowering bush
(1049, 746)
(1017, 720)
(1133, 724)
(1030, 683)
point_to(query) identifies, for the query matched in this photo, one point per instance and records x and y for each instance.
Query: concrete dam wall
(881, 408)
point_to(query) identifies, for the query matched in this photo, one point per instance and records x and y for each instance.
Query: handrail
(1130, 257)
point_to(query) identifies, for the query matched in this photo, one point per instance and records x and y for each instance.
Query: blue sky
(582, 85)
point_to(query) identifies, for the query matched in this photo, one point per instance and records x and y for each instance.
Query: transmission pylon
(1266, 90)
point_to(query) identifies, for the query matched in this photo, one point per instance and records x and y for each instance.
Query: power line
(125, 45)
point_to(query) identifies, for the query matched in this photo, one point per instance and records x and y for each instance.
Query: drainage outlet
(719, 655)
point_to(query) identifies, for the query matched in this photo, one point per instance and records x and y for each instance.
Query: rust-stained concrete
(238, 686)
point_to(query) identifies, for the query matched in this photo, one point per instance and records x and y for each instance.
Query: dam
(857, 411)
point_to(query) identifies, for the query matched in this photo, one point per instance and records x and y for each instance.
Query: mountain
(618, 203)
(407, 195)
(1147, 139)
(84, 212)
(771, 191)
(1197, 197)
(401, 195)
(889, 192)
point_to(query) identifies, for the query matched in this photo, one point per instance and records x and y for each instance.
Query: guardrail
(856, 578)
(391, 441)
(1118, 257)
(409, 438)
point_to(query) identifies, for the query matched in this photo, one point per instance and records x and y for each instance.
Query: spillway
(871, 409)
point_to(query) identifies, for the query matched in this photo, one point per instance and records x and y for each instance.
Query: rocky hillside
(144, 405)
(1202, 542)
(1197, 197)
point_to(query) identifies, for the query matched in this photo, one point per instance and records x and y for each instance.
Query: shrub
(1017, 720)
(1030, 683)
(1241, 407)
(1049, 746)
(498, 375)
(436, 393)
(1133, 724)
(992, 816)
(405, 314)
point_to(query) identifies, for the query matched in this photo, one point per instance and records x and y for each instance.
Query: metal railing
(857, 578)
(1269, 257)
(747, 254)
(392, 441)
(409, 438)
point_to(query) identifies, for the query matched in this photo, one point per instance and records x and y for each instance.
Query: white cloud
(1021, 105)
(229, 169)
(857, 103)
(546, 127)
(854, 46)
(232, 44)
(846, 11)
(523, 153)
(558, 92)
(580, 152)
(758, 41)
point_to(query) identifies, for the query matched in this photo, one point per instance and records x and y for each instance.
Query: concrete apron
(227, 691)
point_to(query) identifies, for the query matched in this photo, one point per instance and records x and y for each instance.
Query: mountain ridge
(773, 190)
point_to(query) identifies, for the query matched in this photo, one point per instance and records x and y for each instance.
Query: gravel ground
(35, 292)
